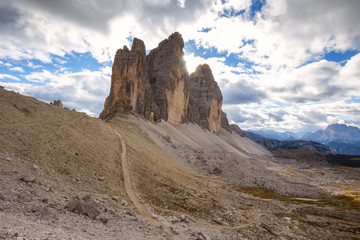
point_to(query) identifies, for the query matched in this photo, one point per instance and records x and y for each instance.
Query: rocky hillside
(345, 139)
(66, 175)
(158, 86)
(295, 144)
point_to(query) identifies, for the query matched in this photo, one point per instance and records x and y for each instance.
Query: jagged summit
(158, 86)
(130, 88)
(169, 79)
(205, 100)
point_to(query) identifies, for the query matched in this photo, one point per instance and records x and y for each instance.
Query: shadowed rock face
(205, 100)
(225, 122)
(130, 87)
(169, 79)
(238, 130)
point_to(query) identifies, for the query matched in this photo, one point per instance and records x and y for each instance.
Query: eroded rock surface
(158, 86)
(169, 78)
(238, 130)
(205, 100)
(225, 122)
(130, 87)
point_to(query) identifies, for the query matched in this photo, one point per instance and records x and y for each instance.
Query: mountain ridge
(345, 139)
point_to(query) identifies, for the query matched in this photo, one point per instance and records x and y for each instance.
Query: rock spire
(205, 99)
(158, 86)
(169, 78)
(130, 88)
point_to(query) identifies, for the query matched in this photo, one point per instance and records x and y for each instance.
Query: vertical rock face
(158, 86)
(225, 122)
(169, 79)
(205, 100)
(130, 87)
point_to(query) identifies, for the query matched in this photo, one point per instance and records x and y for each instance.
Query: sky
(283, 65)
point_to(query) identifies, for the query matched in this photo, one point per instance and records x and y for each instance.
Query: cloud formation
(271, 62)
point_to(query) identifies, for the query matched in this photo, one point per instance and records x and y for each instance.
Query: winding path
(129, 190)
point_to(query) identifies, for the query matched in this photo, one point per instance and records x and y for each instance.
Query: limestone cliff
(130, 88)
(169, 79)
(205, 100)
(225, 122)
(158, 86)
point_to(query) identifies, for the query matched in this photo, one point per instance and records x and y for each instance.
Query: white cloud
(85, 91)
(181, 3)
(350, 75)
(278, 43)
(37, 29)
(300, 118)
(16, 69)
(286, 32)
(8, 76)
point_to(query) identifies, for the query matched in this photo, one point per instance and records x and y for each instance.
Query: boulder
(57, 103)
(85, 207)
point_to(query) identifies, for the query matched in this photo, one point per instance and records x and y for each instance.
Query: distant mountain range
(345, 139)
(341, 137)
(282, 136)
(295, 144)
(291, 144)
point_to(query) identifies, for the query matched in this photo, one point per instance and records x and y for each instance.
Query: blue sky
(282, 65)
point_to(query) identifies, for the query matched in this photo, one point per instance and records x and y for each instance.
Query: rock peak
(130, 88)
(158, 86)
(169, 79)
(205, 101)
(138, 45)
(176, 37)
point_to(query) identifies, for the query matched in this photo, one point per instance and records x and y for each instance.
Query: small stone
(27, 179)
(2, 198)
(154, 216)
(87, 198)
(104, 220)
(174, 231)
(219, 221)
(173, 219)
(8, 159)
(101, 178)
(267, 228)
(199, 236)
(124, 203)
(35, 167)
